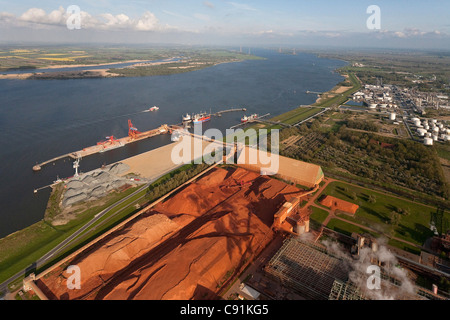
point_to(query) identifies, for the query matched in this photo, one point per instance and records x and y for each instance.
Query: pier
(313, 92)
(102, 148)
(39, 166)
(219, 113)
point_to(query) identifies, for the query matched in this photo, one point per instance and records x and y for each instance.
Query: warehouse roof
(303, 173)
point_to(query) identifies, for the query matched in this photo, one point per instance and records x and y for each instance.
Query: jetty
(219, 113)
(133, 136)
(313, 92)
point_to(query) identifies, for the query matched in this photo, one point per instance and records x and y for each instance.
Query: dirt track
(186, 247)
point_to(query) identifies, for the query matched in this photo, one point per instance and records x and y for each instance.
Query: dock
(219, 113)
(313, 92)
(101, 148)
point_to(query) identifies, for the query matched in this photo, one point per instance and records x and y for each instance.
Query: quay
(133, 136)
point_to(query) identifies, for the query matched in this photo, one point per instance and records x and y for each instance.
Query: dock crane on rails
(132, 131)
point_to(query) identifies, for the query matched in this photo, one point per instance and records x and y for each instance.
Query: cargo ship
(201, 117)
(245, 119)
(109, 144)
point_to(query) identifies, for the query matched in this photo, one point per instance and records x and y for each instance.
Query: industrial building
(312, 272)
(295, 171)
(306, 268)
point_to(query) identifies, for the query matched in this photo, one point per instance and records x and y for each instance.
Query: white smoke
(357, 268)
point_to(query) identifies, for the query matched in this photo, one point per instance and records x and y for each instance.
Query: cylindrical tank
(392, 116)
(421, 132)
(417, 123)
(446, 137)
(428, 134)
(434, 120)
(307, 225)
(435, 289)
(299, 228)
(436, 129)
(435, 138)
(426, 127)
(428, 141)
(374, 246)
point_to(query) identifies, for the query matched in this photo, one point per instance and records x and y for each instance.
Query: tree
(372, 199)
(395, 218)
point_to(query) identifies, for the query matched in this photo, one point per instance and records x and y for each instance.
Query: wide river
(42, 119)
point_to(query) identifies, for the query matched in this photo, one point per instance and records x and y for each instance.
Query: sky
(400, 23)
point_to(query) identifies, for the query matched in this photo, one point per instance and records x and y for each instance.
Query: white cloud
(37, 17)
(242, 6)
(201, 16)
(208, 4)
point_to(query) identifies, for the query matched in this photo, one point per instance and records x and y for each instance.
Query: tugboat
(245, 119)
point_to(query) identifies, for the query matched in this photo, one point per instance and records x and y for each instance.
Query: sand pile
(212, 228)
(338, 204)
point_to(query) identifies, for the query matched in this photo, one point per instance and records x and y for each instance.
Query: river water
(42, 119)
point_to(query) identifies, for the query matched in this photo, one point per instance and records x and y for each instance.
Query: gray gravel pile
(96, 184)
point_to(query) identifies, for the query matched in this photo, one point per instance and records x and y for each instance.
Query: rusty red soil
(184, 248)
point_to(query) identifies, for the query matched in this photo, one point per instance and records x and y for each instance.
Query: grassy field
(318, 215)
(341, 98)
(347, 228)
(413, 227)
(297, 115)
(41, 57)
(20, 249)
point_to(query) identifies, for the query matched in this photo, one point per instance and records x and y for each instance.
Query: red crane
(132, 131)
(109, 140)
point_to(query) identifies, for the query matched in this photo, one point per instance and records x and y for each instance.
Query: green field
(347, 228)
(318, 215)
(20, 249)
(413, 227)
(341, 98)
(296, 115)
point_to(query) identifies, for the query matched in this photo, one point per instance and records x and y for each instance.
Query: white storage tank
(435, 138)
(417, 123)
(421, 132)
(436, 129)
(434, 121)
(446, 137)
(428, 141)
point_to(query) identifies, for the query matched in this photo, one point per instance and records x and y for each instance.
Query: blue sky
(403, 23)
